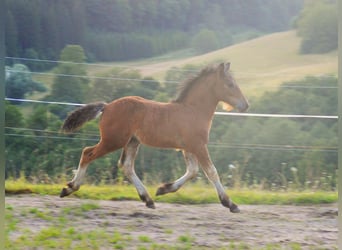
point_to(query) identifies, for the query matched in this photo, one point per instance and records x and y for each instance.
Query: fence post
(2, 124)
(339, 183)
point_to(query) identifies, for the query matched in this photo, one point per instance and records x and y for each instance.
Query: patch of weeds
(118, 240)
(10, 220)
(73, 234)
(48, 238)
(187, 240)
(295, 246)
(238, 246)
(67, 210)
(62, 220)
(95, 239)
(119, 246)
(50, 232)
(80, 210)
(156, 246)
(8, 208)
(22, 240)
(116, 237)
(86, 207)
(144, 238)
(272, 247)
(40, 214)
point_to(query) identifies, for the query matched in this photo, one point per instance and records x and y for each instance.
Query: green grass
(196, 193)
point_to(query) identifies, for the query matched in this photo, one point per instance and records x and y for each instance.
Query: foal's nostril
(242, 107)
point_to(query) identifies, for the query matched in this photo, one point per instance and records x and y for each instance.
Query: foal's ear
(227, 66)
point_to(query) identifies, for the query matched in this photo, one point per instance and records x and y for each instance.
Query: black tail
(81, 115)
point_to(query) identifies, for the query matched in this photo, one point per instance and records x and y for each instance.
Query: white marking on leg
(191, 170)
(213, 176)
(138, 184)
(128, 168)
(79, 176)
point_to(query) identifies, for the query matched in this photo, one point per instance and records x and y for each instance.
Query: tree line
(111, 30)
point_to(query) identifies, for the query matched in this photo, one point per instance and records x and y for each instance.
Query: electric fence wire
(136, 67)
(212, 144)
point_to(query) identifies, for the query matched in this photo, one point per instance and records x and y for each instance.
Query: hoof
(229, 204)
(164, 189)
(65, 192)
(160, 191)
(69, 189)
(150, 205)
(234, 209)
(148, 201)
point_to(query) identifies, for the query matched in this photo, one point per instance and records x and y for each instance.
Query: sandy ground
(212, 226)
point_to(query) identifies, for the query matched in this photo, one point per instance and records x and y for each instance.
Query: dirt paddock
(210, 226)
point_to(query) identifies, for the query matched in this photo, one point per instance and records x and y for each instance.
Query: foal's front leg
(126, 161)
(191, 172)
(211, 173)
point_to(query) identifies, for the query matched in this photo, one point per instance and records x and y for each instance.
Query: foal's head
(228, 91)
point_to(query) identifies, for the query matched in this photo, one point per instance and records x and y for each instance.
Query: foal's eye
(230, 84)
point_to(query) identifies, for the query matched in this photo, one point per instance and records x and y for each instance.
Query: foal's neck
(202, 99)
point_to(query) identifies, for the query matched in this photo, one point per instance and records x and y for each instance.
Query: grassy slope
(258, 64)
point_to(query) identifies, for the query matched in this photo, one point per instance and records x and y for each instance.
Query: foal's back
(157, 124)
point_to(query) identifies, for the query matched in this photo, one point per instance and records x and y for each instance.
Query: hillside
(257, 64)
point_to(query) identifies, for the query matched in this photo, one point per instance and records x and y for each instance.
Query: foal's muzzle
(242, 106)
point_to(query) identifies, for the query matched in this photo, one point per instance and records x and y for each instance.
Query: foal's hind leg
(88, 155)
(126, 161)
(191, 172)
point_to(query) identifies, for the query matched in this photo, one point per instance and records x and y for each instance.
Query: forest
(123, 30)
(271, 153)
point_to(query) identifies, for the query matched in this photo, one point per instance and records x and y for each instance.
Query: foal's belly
(161, 140)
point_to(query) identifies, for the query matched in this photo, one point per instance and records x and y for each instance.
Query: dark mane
(184, 87)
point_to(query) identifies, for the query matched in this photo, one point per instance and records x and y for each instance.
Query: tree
(71, 83)
(19, 82)
(124, 83)
(205, 41)
(317, 26)
(14, 117)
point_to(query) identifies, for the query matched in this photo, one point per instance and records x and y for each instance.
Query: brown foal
(183, 124)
